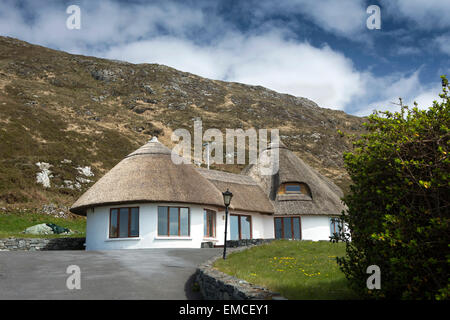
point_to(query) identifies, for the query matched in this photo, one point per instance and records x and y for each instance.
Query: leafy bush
(398, 208)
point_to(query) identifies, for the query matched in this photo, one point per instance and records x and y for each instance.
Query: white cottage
(147, 201)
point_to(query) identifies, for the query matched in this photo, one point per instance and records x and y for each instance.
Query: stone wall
(247, 242)
(37, 244)
(216, 285)
(238, 243)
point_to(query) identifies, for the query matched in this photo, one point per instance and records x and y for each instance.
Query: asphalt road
(120, 274)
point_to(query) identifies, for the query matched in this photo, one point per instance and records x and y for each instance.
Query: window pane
(338, 225)
(123, 223)
(287, 228)
(278, 229)
(113, 228)
(293, 188)
(234, 227)
(184, 221)
(296, 222)
(173, 223)
(212, 223)
(333, 226)
(162, 221)
(245, 227)
(134, 228)
(205, 223)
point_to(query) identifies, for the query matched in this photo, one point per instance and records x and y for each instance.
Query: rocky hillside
(67, 119)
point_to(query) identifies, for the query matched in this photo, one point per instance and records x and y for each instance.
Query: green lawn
(12, 225)
(295, 269)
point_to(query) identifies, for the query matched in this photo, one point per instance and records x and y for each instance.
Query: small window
(335, 226)
(124, 223)
(209, 222)
(173, 221)
(294, 188)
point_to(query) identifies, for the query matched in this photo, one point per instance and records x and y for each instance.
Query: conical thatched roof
(149, 175)
(325, 196)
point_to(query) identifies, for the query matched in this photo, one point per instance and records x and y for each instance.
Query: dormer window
(294, 188)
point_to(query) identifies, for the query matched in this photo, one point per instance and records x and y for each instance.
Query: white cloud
(383, 93)
(408, 50)
(425, 97)
(424, 14)
(102, 23)
(443, 43)
(343, 17)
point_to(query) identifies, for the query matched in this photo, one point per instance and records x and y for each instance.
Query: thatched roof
(325, 196)
(247, 194)
(149, 175)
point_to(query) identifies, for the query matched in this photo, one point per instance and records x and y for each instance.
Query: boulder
(42, 228)
(47, 228)
(148, 89)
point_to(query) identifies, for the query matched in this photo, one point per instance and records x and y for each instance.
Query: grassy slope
(296, 269)
(12, 224)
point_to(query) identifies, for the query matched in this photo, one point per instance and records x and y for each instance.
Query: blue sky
(321, 50)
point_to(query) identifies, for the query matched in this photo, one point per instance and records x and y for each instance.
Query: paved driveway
(121, 274)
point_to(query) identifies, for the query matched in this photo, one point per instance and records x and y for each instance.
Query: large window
(288, 228)
(124, 222)
(209, 222)
(173, 221)
(240, 227)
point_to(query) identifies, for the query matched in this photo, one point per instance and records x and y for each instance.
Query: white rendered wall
(315, 228)
(262, 226)
(97, 228)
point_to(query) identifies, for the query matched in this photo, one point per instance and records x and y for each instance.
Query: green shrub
(399, 203)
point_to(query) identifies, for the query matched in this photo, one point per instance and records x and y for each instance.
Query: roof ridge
(215, 175)
(148, 153)
(151, 147)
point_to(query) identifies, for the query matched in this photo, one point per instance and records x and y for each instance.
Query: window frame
(214, 223)
(239, 224)
(168, 222)
(292, 227)
(118, 222)
(304, 189)
(337, 224)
